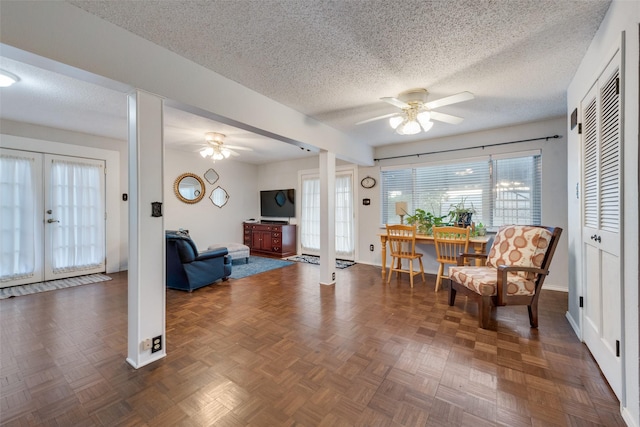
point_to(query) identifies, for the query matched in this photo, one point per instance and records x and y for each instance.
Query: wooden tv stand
(270, 239)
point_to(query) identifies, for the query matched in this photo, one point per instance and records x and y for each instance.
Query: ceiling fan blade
(236, 147)
(395, 102)
(448, 100)
(447, 118)
(377, 118)
(233, 153)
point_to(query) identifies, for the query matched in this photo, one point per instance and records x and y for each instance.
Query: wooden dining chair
(515, 269)
(449, 242)
(402, 245)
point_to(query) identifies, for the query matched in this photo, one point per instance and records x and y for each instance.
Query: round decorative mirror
(189, 188)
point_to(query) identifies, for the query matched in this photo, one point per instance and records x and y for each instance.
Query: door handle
(51, 220)
(598, 239)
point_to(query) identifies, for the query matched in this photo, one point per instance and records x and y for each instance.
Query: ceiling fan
(215, 147)
(416, 113)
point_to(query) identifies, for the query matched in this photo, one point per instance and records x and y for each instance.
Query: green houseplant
(425, 221)
(460, 215)
(481, 229)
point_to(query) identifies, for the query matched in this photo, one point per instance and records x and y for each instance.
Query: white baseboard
(628, 417)
(558, 288)
(574, 325)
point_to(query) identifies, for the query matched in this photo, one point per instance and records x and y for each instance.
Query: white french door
(52, 217)
(21, 232)
(601, 227)
(344, 215)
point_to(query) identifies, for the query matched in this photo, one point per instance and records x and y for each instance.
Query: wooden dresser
(270, 239)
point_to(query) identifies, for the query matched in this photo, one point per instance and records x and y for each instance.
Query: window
(501, 190)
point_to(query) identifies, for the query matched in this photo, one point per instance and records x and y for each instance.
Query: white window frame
(482, 194)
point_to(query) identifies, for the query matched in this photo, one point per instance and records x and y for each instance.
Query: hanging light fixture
(216, 149)
(7, 78)
(411, 121)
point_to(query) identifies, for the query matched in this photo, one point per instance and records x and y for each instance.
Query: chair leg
(422, 270)
(533, 314)
(390, 270)
(452, 294)
(411, 272)
(439, 277)
(484, 311)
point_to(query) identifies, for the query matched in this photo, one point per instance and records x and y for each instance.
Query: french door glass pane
(17, 213)
(78, 240)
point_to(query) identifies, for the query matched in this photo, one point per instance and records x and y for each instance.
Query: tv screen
(278, 203)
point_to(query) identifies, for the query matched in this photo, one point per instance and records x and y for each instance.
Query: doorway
(52, 216)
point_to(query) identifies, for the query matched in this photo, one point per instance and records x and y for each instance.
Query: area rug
(32, 288)
(257, 265)
(311, 259)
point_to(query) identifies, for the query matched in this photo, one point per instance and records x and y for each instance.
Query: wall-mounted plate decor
(219, 197)
(211, 176)
(189, 188)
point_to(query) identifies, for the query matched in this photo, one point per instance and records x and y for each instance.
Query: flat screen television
(278, 203)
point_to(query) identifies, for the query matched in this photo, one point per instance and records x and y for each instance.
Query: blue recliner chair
(187, 269)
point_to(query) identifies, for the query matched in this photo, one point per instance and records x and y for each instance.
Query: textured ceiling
(334, 60)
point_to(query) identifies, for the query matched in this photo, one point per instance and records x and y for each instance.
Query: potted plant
(425, 221)
(481, 230)
(460, 214)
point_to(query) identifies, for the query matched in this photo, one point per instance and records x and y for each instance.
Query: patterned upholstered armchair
(514, 272)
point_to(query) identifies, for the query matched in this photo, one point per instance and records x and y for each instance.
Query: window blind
(500, 191)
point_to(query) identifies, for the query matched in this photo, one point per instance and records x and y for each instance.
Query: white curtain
(76, 200)
(17, 212)
(345, 245)
(310, 216)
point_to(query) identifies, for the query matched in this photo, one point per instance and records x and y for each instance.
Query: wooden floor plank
(278, 349)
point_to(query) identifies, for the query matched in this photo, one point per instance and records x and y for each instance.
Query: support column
(146, 306)
(327, 218)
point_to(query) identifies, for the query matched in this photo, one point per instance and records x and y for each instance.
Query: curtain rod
(468, 148)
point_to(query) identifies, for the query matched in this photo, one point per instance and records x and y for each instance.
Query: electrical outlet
(146, 344)
(371, 248)
(156, 344)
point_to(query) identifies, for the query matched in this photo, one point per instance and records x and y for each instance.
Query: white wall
(623, 16)
(207, 223)
(58, 141)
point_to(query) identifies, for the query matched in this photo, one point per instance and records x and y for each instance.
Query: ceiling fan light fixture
(226, 153)
(410, 127)
(423, 116)
(206, 152)
(7, 78)
(426, 126)
(395, 121)
(214, 137)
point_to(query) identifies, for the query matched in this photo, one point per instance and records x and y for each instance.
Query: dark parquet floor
(278, 349)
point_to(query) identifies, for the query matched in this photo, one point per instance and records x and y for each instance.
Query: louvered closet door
(601, 236)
